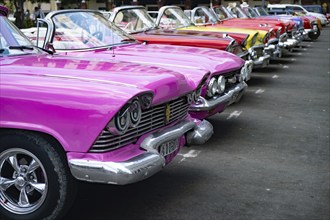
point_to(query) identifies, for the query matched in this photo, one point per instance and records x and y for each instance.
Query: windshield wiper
(128, 40)
(21, 47)
(30, 47)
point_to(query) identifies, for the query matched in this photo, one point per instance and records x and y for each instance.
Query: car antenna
(113, 43)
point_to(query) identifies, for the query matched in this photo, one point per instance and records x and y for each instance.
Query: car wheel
(35, 182)
(314, 35)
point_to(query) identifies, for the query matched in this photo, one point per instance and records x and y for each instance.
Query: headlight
(189, 98)
(198, 92)
(122, 120)
(244, 42)
(221, 84)
(254, 39)
(244, 73)
(129, 115)
(195, 97)
(212, 87)
(252, 53)
(146, 100)
(266, 38)
(229, 48)
(278, 32)
(135, 113)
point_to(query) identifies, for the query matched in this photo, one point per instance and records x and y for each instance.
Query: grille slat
(151, 119)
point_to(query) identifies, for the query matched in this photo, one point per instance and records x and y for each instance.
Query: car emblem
(167, 113)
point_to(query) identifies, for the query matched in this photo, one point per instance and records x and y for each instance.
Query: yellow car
(172, 17)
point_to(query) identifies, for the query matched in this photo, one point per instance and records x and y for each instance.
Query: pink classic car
(63, 119)
(88, 34)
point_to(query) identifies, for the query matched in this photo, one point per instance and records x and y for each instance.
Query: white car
(297, 8)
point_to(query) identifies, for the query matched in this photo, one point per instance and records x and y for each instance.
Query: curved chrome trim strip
(121, 173)
(153, 141)
(206, 105)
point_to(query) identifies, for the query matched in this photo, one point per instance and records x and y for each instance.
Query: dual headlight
(216, 86)
(130, 114)
(194, 96)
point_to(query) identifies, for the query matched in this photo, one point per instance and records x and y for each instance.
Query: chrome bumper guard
(144, 165)
(272, 48)
(262, 61)
(230, 96)
(248, 67)
(289, 43)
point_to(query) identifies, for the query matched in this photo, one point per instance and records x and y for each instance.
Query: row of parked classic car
(113, 97)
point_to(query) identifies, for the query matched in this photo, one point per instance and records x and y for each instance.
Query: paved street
(268, 158)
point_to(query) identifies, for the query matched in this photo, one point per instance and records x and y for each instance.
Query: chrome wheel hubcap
(23, 181)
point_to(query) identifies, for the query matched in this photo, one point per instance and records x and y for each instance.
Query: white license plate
(168, 147)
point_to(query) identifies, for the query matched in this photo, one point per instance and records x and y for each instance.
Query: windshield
(237, 12)
(249, 11)
(262, 11)
(204, 16)
(12, 40)
(85, 30)
(173, 18)
(222, 13)
(134, 20)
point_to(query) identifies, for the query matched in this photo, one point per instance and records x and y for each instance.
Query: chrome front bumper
(230, 96)
(144, 165)
(259, 60)
(262, 61)
(288, 43)
(273, 49)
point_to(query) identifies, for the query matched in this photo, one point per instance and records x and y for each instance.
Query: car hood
(220, 28)
(92, 78)
(193, 62)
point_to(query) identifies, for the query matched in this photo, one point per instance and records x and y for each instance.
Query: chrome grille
(152, 119)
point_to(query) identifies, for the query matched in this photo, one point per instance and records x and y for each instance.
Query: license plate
(168, 147)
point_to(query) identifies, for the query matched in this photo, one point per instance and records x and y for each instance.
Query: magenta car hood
(179, 58)
(89, 75)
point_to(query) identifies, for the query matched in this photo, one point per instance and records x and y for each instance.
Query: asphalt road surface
(268, 158)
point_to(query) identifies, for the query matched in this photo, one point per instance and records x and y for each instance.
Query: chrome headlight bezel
(244, 72)
(221, 84)
(266, 38)
(135, 113)
(212, 87)
(146, 100)
(254, 39)
(129, 116)
(122, 120)
(278, 32)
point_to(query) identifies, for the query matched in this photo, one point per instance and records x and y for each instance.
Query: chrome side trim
(206, 105)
